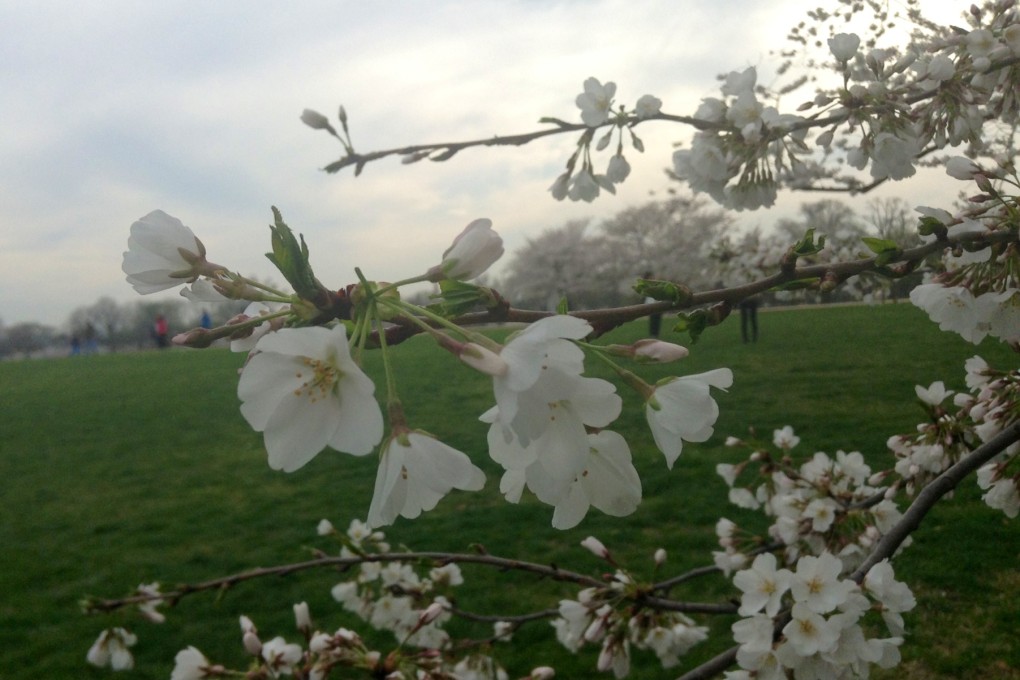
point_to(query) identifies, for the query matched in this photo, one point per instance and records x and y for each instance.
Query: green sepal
(886, 250)
(808, 245)
(929, 225)
(663, 291)
(800, 284)
(693, 323)
(458, 297)
(291, 258)
(563, 307)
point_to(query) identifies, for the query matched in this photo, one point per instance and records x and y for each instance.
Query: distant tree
(667, 238)
(26, 339)
(563, 262)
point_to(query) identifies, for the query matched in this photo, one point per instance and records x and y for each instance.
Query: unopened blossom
(302, 617)
(473, 251)
(316, 120)
(325, 528)
(658, 351)
(595, 547)
(542, 673)
(189, 664)
(111, 649)
(961, 167)
(595, 102)
(415, 472)
(482, 359)
(647, 106)
(682, 409)
(304, 392)
(844, 46)
(162, 253)
(560, 187)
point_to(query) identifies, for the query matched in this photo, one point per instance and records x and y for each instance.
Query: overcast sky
(110, 110)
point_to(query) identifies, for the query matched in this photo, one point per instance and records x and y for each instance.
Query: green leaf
(458, 297)
(563, 307)
(693, 323)
(879, 245)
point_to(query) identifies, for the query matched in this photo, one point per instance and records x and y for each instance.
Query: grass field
(122, 469)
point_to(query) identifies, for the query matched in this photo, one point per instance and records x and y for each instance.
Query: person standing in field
(161, 330)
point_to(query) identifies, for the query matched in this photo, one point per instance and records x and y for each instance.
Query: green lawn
(122, 469)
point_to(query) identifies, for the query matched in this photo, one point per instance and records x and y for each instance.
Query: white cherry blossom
(303, 390)
(473, 251)
(415, 472)
(162, 253)
(682, 409)
(189, 664)
(763, 586)
(595, 102)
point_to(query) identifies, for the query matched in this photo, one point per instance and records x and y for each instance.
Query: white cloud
(113, 110)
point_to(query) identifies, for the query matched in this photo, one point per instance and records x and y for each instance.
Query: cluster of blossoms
(391, 596)
(606, 616)
(809, 621)
(825, 504)
(952, 431)
(304, 389)
(977, 293)
(596, 104)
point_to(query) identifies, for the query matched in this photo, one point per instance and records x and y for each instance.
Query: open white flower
(111, 648)
(189, 664)
(595, 101)
(303, 390)
(416, 471)
(763, 586)
(682, 409)
(473, 251)
(162, 253)
(608, 481)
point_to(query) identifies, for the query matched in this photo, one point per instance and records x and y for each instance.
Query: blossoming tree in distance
(815, 594)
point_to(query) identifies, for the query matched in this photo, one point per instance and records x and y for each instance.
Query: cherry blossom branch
(932, 493)
(894, 538)
(604, 320)
(441, 558)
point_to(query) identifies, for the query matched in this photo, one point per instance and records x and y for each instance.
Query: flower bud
(325, 528)
(542, 673)
(430, 613)
(316, 121)
(596, 547)
(483, 360)
(252, 644)
(302, 617)
(658, 351)
(473, 251)
(660, 557)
